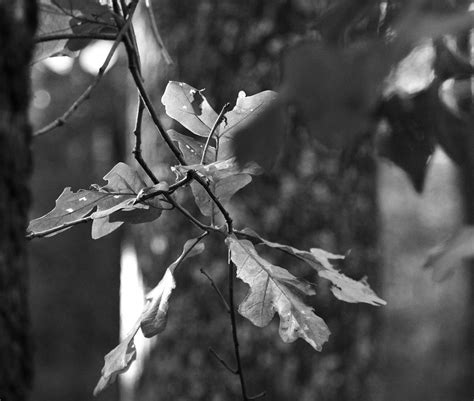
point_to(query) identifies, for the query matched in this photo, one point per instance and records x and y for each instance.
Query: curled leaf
(155, 315)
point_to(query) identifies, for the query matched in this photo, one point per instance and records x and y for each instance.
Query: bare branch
(85, 95)
(134, 70)
(233, 323)
(61, 36)
(213, 129)
(156, 33)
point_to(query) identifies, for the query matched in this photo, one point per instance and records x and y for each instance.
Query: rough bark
(17, 26)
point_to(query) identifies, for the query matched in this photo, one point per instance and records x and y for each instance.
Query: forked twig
(85, 95)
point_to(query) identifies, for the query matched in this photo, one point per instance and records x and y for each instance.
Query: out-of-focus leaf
(274, 289)
(261, 137)
(69, 17)
(454, 126)
(344, 288)
(450, 62)
(224, 189)
(445, 257)
(335, 90)
(189, 107)
(114, 204)
(246, 109)
(410, 141)
(454, 94)
(118, 360)
(155, 316)
(416, 25)
(414, 73)
(191, 148)
(341, 16)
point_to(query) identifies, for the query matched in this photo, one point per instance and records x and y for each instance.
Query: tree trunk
(17, 27)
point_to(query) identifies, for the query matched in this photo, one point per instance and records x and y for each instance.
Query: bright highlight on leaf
(114, 204)
(189, 107)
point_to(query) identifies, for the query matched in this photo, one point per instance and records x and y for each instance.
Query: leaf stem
(219, 293)
(213, 129)
(62, 36)
(222, 361)
(233, 323)
(40, 234)
(216, 201)
(131, 52)
(85, 95)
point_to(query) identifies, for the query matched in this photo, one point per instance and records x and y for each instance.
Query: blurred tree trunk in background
(426, 342)
(17, 27)
(225, 47)
(74, 279)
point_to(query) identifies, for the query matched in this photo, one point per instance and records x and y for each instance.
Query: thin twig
(135, 71)
(134, 68)
(219, 293)
(124, 8)
(222, 361)
(137, 151)
(213, 129)
(40, 234)
(62, 36)
(186, 253)
(216, 201)
(149, 105)
(85, 95)
(234, 327)
(156, 33)
(191, 218)
(256, 397)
